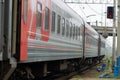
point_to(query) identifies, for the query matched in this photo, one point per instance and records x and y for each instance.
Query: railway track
(66, 75)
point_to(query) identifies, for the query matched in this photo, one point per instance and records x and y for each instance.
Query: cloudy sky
(93, 13)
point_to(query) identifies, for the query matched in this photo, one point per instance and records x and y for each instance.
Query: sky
(93, 13)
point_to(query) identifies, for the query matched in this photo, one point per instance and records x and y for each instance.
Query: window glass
(39, 14)
(25, 10)
(39, 19)
(79, 32)
(58, 24)
(46, 18)
(53, 21)
(67, 28)
(71, 27)
(63, 26)
(74, 31)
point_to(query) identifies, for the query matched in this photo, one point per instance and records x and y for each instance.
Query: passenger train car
(40, 37)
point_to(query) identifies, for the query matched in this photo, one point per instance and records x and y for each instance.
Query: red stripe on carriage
(24, 36)
(33, 21)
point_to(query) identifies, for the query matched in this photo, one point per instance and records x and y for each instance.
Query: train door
(45, 30)
(24, 17)
(29, 28)
(39, 20)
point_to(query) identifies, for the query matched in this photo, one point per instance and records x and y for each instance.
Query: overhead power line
(94, 10)
(89, 1)
(82, 10)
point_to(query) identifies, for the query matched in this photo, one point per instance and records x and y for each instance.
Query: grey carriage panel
(103, 52)
(91, 52)
(55, 43)
(92, 49)
(46, 53)
(49, 54)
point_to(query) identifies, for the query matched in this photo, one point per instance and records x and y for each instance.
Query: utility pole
(114, 35)
(118, 30)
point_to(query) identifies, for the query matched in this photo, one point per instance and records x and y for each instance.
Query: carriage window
(74, 31)
(71, 30)
(63, 26)
(46, 18)
(79, 33)
(67, 28)
(53, 21)
(58, 23)
(39, 14)
(71, 27)
(25, 10)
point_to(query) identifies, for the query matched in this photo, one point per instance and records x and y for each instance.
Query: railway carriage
(42, 37)
(63, 34)
(91, 42)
